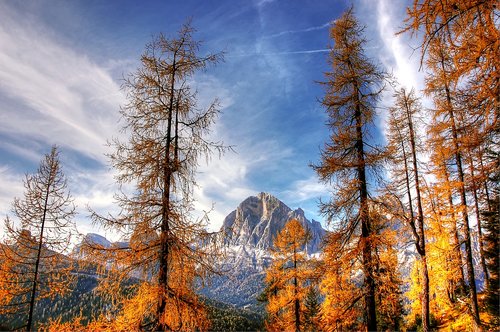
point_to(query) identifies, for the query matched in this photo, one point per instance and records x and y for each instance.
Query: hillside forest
(432, 189)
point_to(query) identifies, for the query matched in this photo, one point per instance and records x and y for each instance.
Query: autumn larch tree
(446, 125)
(443, 220)
(288, 278)
(472, 40)
(167, 136)
(403, 144)
(353, 88)
(342, 308)
(33, 266)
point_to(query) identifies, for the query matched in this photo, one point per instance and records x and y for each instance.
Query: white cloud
(52, 93)
(397, 52)
(306, 189)
(288, 32)
(12, 186)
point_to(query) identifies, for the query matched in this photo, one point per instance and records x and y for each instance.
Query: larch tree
(288, 278)
(342, 308)
(169, 246)
(471, 28)
(403, 144)
(475, 182)
(443, 215)
(33, 266)
(387, 276)
(353, 88)
(468, 34)
(446, 124)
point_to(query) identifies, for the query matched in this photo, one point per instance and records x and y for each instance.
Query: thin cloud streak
(288, 32)
(323, 50)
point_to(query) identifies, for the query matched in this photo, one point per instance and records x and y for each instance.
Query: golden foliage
(288, 278)
(343, 307)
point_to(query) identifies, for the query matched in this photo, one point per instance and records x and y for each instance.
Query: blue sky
(61, 65)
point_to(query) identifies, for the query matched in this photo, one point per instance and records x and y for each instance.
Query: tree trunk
(29, 324)
(421, 236)
(296, 286)
(479, 226)
(371, 315)
(165, 222)
(456, 239)
(463, 202)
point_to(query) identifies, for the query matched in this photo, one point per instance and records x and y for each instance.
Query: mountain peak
(249, 232)
(257, 220)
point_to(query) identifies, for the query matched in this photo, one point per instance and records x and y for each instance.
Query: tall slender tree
(403, 145)
(32, 260)
(353, 88)
(167, 137)
(446, 124)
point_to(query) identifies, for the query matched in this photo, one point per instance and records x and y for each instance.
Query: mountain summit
(258, 220)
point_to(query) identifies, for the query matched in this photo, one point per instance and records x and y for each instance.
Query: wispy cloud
(396, 52)
(252, 54)
(51, 94)
(66, 99)
(11, 186)
(289, 32)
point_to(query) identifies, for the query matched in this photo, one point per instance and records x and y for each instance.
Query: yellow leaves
(137, 308)
(291, 239)
(287, 278)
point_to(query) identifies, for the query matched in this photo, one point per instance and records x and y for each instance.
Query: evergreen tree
(312, 306)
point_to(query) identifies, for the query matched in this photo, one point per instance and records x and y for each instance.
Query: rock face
(258, 219)
(248, 234)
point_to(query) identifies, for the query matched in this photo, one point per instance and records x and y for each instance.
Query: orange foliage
(288, 278)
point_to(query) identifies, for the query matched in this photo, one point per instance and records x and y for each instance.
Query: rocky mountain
(248, 233)
(96, 240)
(258, 219)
